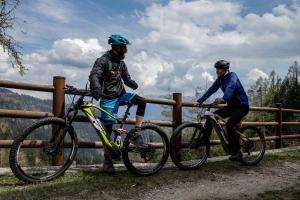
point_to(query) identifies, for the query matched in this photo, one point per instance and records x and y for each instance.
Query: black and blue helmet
(116, 39)
(223, 64)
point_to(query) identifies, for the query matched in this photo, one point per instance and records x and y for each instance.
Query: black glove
(97, 94)
(133, 85)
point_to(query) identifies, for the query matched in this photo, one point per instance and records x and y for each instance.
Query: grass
(291, 193)
(83, 184)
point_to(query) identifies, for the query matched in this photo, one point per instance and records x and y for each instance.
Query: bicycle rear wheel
(151, 159)
(185, 151)
(253, 145)
(34, 155)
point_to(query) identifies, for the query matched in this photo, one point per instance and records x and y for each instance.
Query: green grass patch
(291, 193)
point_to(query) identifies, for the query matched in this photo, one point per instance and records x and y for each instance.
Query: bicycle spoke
(151, 156)
(37, 156)
(252, 145)
(187, 152)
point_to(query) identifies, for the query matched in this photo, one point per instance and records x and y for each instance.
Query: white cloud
(71, 58)
(205, 31)
(182, 41)
(198, 28)
(207, 76)
(69, 52)
(146, 67)
(256, 73)
(174, 16)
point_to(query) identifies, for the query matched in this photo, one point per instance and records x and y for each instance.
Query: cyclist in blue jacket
(237, 105)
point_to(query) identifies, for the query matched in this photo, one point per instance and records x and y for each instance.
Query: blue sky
(174, 43)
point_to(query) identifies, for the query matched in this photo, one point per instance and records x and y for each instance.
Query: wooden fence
(58, 109)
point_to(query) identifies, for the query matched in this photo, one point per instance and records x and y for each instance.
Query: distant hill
(10, 127)
(12, 100)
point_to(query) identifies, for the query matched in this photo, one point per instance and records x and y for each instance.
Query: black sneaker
(108, 166)
(137, 139)
(114, 152)
(236, 156)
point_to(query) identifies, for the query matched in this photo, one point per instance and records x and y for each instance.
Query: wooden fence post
(58, 110)
(279, 126)
(177, 118)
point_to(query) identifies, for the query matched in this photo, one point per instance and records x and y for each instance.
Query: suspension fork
(194, 136)
(59, 133)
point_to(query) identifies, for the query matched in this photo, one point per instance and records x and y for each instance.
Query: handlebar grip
(211, 105)
(72, 90)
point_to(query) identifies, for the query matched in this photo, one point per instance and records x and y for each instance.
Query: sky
(174, 43)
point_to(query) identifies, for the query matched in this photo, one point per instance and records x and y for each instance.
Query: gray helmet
(223, 64)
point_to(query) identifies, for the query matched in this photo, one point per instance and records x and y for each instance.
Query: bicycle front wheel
(253, 145)
(149, 160)
(35, 157)
(186, 152)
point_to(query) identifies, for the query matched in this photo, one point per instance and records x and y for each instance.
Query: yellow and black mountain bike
(53, 136)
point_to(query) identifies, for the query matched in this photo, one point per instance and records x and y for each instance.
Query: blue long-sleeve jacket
(234, 93)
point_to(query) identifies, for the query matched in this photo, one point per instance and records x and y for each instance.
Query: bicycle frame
(215, 121)
(85, 107)
(221, 132)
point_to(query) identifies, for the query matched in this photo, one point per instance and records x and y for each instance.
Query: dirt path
(245, 184)
(218, 179)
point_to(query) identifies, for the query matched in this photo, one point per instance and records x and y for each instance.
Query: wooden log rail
(58, 110)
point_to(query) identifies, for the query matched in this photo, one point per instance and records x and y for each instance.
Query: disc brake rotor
(51, 149)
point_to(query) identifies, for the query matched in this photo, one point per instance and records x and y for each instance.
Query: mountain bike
(54, 136)
(188, 150)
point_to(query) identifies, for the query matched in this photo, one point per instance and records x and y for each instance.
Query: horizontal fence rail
(58, 109)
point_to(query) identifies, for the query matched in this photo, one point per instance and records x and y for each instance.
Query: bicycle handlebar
(72, 90)
(211, 105)
(82, 92)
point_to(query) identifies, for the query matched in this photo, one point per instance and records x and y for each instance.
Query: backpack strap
(107, 72)
(109, 68)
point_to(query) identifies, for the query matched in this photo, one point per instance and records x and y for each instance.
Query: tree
(289, 92)
(268, 92)
(8, 43)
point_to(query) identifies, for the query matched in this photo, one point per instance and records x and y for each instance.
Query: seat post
(127, 113)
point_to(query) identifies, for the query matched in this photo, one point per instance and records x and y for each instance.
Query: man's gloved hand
(133, 85)
(97, 94)
(197, 104)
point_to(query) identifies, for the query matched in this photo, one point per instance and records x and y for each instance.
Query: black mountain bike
(188, 152)
(53, 136)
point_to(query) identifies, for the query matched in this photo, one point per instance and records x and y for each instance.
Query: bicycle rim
(149, 160)
(43, 163)
(185, 152)
(252, 146)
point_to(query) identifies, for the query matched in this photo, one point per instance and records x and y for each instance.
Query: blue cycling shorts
(112, 106)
